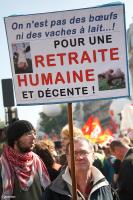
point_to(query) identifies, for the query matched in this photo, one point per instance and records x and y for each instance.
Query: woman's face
(64, 142)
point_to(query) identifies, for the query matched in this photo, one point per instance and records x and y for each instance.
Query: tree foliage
(2, 124)
(53, 124)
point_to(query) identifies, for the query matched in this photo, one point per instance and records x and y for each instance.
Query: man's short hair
(81, 139)
(116, 143)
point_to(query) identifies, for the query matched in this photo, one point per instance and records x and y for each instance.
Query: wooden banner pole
(70, 121)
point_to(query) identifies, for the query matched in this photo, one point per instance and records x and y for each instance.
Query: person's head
(126, 140)
(44, 153)
(47, 144)
(65, 135)
(21, 136)
(84, 154)
(118, 149)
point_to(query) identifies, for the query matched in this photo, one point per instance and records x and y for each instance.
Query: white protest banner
(69, 56)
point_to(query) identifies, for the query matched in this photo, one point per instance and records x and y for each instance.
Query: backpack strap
(113, 191)
(100, 181)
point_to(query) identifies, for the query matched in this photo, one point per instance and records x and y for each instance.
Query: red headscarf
(24, 166)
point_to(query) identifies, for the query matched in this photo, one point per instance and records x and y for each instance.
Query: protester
(23, 175)
(65, 135)
(104, 161)
(91, 184)
(49, 144)
(65, 139)
(46, 151)
(116, 166)
(126, 140)
(109, 163)
(125, 177)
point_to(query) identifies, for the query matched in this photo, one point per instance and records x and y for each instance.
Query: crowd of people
(32, 168)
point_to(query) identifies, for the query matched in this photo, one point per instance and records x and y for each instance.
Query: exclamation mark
(113, 26)
(93, 89)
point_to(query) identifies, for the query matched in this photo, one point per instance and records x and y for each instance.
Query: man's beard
(23, 149)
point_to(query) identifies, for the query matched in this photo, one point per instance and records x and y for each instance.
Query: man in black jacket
(125, 177)
(91, 184)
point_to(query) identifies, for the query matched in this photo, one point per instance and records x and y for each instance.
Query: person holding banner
(23, 175)
(91, 184)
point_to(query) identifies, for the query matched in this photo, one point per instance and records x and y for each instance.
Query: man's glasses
(82, 153)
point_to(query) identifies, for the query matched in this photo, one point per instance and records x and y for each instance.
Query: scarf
(24, 166)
